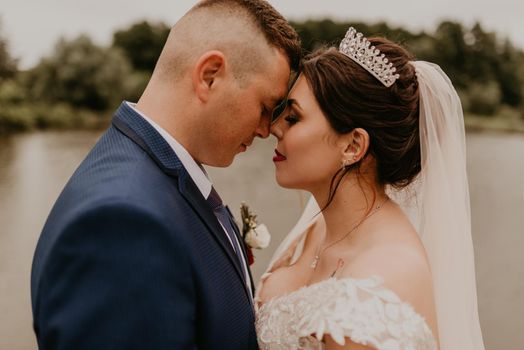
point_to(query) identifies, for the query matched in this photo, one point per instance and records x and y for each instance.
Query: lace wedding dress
(360, 309)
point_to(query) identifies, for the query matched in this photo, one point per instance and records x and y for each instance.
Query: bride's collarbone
(291, 278)
(283, 281)
(333, 264)
(337, 262)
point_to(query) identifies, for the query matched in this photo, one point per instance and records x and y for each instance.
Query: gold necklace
(319, 252)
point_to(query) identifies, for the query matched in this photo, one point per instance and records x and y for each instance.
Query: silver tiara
(359, 49)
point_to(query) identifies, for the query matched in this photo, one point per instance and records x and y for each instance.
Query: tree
(81, 74)
(510, 81)
(315, 33)
(452, 52)
(142, 43)
(8, 65)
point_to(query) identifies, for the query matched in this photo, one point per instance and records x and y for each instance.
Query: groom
(138, 251)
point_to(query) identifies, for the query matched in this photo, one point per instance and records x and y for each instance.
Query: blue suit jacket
(132, 257)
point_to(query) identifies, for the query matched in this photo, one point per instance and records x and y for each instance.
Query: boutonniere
(256, 236)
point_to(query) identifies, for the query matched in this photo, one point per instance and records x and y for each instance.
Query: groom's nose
(262, 130)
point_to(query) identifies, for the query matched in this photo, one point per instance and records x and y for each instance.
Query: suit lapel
(192, 194)
(131, 124)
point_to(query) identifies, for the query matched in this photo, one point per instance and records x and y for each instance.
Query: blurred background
(65, 66)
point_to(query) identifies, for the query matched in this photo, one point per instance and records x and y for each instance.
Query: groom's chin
(220, 163)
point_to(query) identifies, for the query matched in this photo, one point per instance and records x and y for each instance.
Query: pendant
(314, 262)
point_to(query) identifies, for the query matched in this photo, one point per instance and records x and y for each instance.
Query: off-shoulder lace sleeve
(360, 309)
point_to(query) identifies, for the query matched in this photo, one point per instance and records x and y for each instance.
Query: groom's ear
(209, 68)
(355, 145)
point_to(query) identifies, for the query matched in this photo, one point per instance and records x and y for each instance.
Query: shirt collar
(196, 171)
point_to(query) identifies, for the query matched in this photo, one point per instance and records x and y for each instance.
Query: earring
(345, 163)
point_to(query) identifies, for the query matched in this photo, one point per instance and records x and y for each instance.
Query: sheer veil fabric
(438, 206)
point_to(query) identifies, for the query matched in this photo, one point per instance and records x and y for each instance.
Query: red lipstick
(278, 156)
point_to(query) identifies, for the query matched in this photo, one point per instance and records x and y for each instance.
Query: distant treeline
(81, 83)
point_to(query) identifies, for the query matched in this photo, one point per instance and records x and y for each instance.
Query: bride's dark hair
(351, 97)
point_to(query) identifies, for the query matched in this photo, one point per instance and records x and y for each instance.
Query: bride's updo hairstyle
(351, 97)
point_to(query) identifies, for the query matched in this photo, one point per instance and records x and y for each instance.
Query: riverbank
(15, 121)
(504, 123)
(36, 117)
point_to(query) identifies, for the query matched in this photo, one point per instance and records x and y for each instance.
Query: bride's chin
(286, 182)
(282, 181)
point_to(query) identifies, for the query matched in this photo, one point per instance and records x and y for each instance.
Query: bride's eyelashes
(291, 119)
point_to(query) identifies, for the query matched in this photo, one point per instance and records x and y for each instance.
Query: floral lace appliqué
(359, 309)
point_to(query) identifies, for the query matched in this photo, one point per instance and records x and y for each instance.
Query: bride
(382, 257)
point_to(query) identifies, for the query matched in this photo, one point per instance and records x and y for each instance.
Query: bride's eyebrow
(294, 103)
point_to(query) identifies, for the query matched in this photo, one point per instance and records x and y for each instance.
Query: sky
(33, 26)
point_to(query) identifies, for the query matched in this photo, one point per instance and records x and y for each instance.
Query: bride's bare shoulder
(402, 265)
(394, 251)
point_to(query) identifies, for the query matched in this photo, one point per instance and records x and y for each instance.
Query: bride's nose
(276, 128)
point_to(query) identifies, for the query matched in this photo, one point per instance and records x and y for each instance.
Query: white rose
(258, 237)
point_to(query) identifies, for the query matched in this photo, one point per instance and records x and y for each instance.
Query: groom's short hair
(276, 29)
(239, 28)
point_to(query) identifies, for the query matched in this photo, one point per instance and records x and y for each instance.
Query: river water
(34, 168)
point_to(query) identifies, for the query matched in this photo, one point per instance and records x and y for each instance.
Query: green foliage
(315, 33)
(15, 118)
(508, 119)
(25, 116)
(82, 81)
(81, 74)
(484, 98)
(135, 83)
(12, 92)
(452, 53)
(12, 117)
(8, 65)
(486, 71)
(510, 74)
(142, 43)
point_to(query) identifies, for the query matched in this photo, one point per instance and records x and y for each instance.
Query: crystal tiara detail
(359, 49)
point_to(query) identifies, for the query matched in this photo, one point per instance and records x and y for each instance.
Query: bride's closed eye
(291, 119)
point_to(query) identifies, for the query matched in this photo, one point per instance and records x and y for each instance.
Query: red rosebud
(250, 256)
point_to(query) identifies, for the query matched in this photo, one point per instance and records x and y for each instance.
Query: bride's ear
(355, 146)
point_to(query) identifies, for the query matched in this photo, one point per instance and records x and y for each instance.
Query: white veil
(438, 204)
